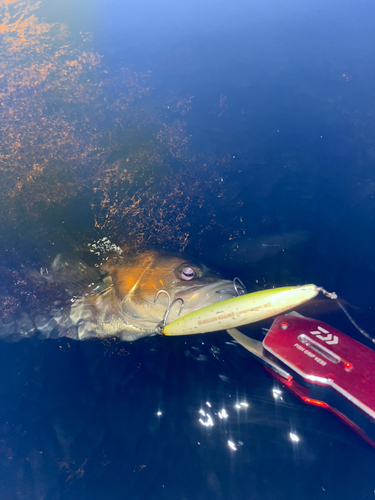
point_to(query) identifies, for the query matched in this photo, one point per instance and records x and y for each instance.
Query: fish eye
(188, 273)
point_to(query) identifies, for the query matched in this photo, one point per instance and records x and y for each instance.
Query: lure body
(242, 310)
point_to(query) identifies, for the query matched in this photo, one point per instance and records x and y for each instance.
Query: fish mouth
(196, 297)
(237, 288)
(217, 292)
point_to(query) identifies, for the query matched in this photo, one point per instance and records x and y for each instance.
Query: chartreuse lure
(242, 310)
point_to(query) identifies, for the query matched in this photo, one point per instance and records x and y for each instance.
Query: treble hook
(170, 308)
(166, 293)
(241, 285)
(160, 327)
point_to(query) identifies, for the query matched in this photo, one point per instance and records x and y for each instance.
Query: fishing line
(361, 330)
(333, 295)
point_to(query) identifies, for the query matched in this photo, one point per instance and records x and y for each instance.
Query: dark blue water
(212, 129)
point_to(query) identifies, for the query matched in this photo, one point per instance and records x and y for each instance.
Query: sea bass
(124, 297)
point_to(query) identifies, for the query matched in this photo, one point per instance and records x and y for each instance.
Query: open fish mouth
(196, 297)
(206, 296)
(203, 296)
(237, 289)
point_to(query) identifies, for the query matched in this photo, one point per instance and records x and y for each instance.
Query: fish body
(125, 297)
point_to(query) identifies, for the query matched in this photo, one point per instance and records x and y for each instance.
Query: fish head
(165, 279)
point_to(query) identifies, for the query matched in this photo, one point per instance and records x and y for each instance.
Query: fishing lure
(243, 310)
